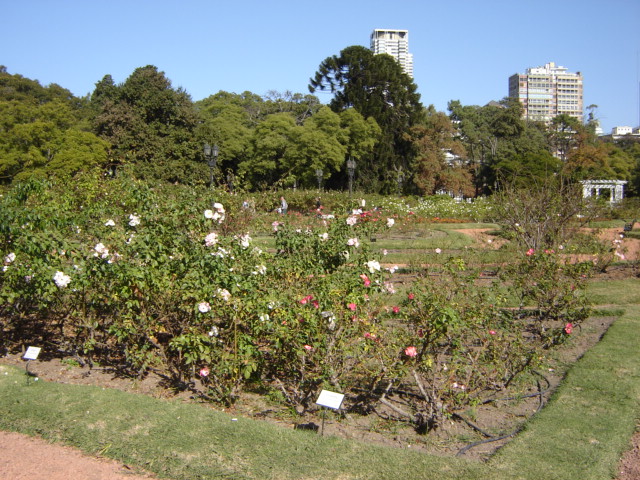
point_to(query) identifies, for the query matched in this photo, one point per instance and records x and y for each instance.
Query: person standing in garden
(283, 206)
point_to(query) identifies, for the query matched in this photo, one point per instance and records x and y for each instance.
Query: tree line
(280, 140)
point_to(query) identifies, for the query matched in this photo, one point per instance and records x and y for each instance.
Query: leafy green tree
(361, 134)
(526, 169)
(42, 131)
(226, 123)
(497, 139)
(320, 143)
(564, 134)
(150, 125)
(599, 161)
(375, 86)
(301, 106)
(269, 144)
(430, 170)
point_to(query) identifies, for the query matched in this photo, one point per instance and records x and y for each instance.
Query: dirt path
(28, 458)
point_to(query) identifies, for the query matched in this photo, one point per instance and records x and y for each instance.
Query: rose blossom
(225, 294)
(411, 352)
(353, 242)
(245, 240)
(390, 222)
(61, 280)
(101, 250)
(373, 266)
(211, 239)
(134, 220)
(204, 307)
(204, 372)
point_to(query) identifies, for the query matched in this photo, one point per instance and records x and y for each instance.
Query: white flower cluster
(8, 260)
(260, 270)
(440, 206)
(373, 266)
(211, 239)
(245, 240)
(101, 251)
(353, 242)
(225, 294)
(61, 279)
(218, 215)
(134, 220)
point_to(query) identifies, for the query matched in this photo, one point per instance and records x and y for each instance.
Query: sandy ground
(29, 458)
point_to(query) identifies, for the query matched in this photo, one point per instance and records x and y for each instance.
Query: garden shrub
(168, 278)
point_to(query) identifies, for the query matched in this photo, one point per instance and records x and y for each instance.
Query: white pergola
(593, 187)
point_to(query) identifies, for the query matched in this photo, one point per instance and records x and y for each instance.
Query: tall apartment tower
(548, 91)
(396, 44)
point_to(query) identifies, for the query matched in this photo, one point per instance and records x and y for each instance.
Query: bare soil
(23, 457)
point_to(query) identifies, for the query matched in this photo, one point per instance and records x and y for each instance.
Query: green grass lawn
(579, 435)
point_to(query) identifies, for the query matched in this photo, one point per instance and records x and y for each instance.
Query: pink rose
(352, 307)
(396, 309)
(568, 328)
(204, 372)
(411, 352)
(530, 252)
(411, 296)
(308, 348)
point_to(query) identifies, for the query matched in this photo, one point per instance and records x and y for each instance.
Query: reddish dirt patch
(29, 458)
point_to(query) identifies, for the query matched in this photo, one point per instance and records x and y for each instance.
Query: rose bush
(169, 278)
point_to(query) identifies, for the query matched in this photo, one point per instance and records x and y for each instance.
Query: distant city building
(621, 131)
(548, 91)
(396, 44)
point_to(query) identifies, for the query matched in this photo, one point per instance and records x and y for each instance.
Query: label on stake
(32, 353)
(330, 399)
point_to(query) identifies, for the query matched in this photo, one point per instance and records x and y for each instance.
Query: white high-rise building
(548, 91)
(394, 43)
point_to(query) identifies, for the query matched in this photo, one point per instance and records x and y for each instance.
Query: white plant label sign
(330, 399)
(32, 353)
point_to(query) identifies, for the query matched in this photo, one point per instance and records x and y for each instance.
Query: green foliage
(169, 278)
(376, 87)
(43, 133)
(150, 125)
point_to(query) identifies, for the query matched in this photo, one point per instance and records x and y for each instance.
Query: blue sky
(463, 50)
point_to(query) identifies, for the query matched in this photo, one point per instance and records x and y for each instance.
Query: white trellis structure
(594, 187)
